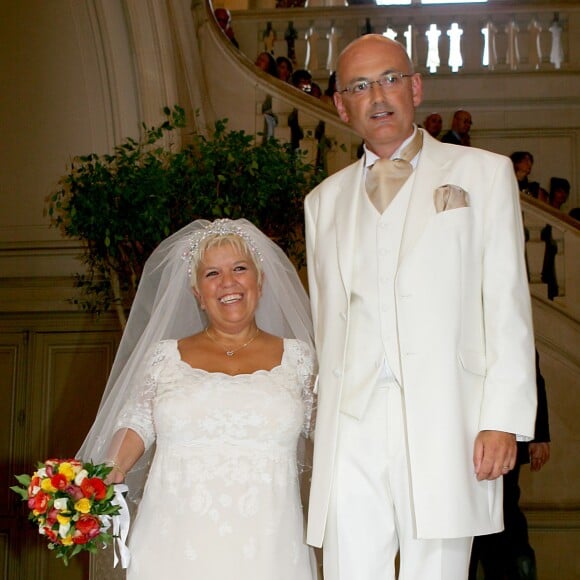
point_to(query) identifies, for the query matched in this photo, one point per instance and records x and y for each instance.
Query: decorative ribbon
(120, 526)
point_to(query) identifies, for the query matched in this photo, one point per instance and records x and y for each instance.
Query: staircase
(219, 81)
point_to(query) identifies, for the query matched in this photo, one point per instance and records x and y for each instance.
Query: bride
(209, 394)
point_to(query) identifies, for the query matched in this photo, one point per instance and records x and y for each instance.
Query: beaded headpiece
(218, 228)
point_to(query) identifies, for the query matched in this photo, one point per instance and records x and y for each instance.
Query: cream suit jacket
(464, 331)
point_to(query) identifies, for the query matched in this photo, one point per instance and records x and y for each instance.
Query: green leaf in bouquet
(23, 479)
(22, 492)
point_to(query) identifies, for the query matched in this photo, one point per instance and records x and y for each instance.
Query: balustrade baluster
(455, 58)
(557, 52)
(433, 61)
(534, 45)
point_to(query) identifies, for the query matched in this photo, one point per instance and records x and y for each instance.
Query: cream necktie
(387, 176)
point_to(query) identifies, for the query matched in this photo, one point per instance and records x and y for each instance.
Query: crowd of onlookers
(283, 69)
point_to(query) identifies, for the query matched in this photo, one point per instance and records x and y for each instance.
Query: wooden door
(53, 381)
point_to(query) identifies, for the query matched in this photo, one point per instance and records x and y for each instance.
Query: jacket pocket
(473, 362)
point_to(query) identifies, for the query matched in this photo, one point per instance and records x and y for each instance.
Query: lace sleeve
(138, 411)
(307, 374)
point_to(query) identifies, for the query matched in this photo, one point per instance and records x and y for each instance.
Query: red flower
(86, 528)
(39, 502)
(34, 483)
(59, 481)
(94, 487)
(50, 534)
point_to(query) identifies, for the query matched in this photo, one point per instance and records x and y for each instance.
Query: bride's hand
(116, 475)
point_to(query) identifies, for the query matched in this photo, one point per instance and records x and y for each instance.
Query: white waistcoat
(372, 337)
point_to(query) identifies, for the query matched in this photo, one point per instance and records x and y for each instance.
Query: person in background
(421, 309)
(285, 69)
(557, 197)
(224, 19)
(523, 161)
(559, 192)
(328, 95)
(433, 124)
(302, 80)
(266, 62)
(460, 127)
(508, 555)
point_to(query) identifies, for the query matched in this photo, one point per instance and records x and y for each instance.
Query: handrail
(552, 250)
(557, 218)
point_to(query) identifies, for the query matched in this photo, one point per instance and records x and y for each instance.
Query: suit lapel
(347, 204)
(430, 173)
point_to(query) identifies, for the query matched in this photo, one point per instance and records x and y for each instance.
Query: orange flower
(39, 503)
(94, 487)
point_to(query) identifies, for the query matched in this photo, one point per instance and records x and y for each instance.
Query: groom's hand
(494, 454)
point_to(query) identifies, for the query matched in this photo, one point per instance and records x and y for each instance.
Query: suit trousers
(370, 517)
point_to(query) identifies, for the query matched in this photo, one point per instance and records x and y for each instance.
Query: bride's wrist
(116, 467)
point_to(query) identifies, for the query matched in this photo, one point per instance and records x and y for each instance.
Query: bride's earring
(198, 298)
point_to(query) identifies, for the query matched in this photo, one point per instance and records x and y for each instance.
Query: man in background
(460, 127)
(433, 124)
(224, 19)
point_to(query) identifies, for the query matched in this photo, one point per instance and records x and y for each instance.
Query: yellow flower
(67, 470)
(67, 541)
(62, 519)
(83, 505)
(47, 486)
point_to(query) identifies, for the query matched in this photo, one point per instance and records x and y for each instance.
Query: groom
(423, 332)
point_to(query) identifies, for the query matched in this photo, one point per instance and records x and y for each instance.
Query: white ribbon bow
(120, 526)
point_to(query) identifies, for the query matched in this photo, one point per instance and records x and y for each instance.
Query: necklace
(232, 351)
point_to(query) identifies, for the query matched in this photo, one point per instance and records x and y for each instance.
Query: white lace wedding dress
(222, 497)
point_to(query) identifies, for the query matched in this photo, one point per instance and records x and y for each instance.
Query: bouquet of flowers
(71, 504)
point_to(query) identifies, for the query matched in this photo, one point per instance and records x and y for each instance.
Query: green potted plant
(124, 203)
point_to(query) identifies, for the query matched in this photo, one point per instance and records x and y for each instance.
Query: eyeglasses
(387, 81)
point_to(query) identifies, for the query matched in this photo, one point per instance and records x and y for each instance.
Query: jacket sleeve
(509, 401)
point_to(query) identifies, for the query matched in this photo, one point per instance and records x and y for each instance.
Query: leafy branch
(123, 204)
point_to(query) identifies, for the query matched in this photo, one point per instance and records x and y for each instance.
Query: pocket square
(449, 197)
